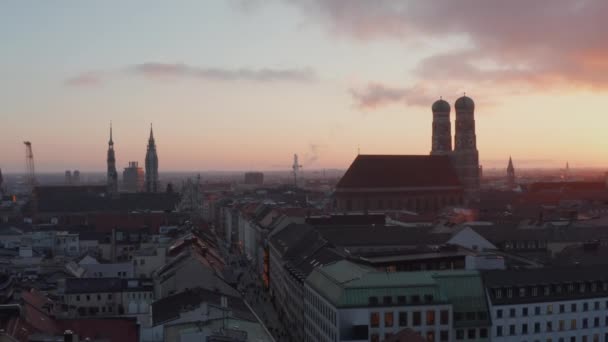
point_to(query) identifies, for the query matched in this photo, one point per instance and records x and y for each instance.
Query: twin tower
(464, 156)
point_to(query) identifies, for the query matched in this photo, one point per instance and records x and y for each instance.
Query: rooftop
(399, 171)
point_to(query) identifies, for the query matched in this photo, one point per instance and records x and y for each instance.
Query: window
(549, 309)
(511, 312)
(444, 336)
(483, 333)
(402, 319)
(499, 330)
(585, 323)
(562, 308)
(460, 334)
(77, 298)
(498, 293)
(522, 291)
(373, 300)
(573, 307)
(573, 324)
(428, 298)
(444, 317)
(471, 334)
(596, 305)
(88, 298)
(98, 297)
(512, 329)
(509, 292)
(417, 318)
(374, 320)
(524, 328)
(387, 300)
(585, 306)
(430, 336)
(535, 291)
(499, 313)
(401, 299)
(388, 319)
(596, 322)
(561, 325)
(536, 327)
(549, 326)
(415, 299)
(524, 312)
(430, 317)
(375, 338)
(537, 310)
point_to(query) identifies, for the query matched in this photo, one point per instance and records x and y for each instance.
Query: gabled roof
(169, 308)
(399, 171)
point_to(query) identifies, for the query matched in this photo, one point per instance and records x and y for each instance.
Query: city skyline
(316, 78)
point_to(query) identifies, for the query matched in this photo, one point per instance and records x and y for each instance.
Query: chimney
(68, 336)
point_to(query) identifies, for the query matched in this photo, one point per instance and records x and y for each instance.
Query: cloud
(542, 43)
(375, 95)
(165, 70)
(156, 71)
(87, 79)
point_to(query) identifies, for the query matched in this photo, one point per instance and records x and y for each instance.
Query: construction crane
(29, 165)
(296, 169)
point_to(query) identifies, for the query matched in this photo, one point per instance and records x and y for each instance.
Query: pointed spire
(111, 142)
(151, 133)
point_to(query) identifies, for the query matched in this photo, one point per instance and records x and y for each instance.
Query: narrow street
(251, 286)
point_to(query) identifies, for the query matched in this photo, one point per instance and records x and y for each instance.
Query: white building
(549, 304)
(347, 302)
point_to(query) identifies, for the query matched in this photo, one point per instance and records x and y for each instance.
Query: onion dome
(464, 104)
(441, 105)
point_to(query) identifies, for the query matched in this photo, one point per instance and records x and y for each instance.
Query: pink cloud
(542, 42)
(87, 79)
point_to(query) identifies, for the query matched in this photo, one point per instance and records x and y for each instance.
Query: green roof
(346, 284)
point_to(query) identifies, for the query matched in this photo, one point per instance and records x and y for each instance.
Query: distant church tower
(112, 180)
(465, 155)
(151, 165)
(510, 175)
(442, 128)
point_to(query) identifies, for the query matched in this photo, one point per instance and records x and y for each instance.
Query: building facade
(550, 304)
(347, 302)
(133, 177)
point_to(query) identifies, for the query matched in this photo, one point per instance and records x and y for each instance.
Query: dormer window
(509, 293)
(522, 291)
(547, 290)
(498, 293)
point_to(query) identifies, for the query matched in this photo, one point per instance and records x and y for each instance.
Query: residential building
(561, 304)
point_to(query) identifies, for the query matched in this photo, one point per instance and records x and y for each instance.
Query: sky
(245, 84)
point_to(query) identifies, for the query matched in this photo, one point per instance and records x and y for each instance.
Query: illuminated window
(430, 318)
(388, 319)
(374, 320)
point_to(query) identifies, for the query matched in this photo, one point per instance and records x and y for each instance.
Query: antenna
(29, 165)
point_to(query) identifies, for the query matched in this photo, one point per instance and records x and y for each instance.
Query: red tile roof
(111, 329)
(399, 171)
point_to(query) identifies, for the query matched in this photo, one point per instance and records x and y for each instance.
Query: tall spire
(151, 164)
(510, 175)
(111, 142)
(151, 133)
(112, 175)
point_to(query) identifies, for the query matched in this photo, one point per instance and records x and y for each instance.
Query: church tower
(510, 175)
(112, 175)
(465, 155)
(442, 128)
(151, 165)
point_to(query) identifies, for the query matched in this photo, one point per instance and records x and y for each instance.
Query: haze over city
(235, 85)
